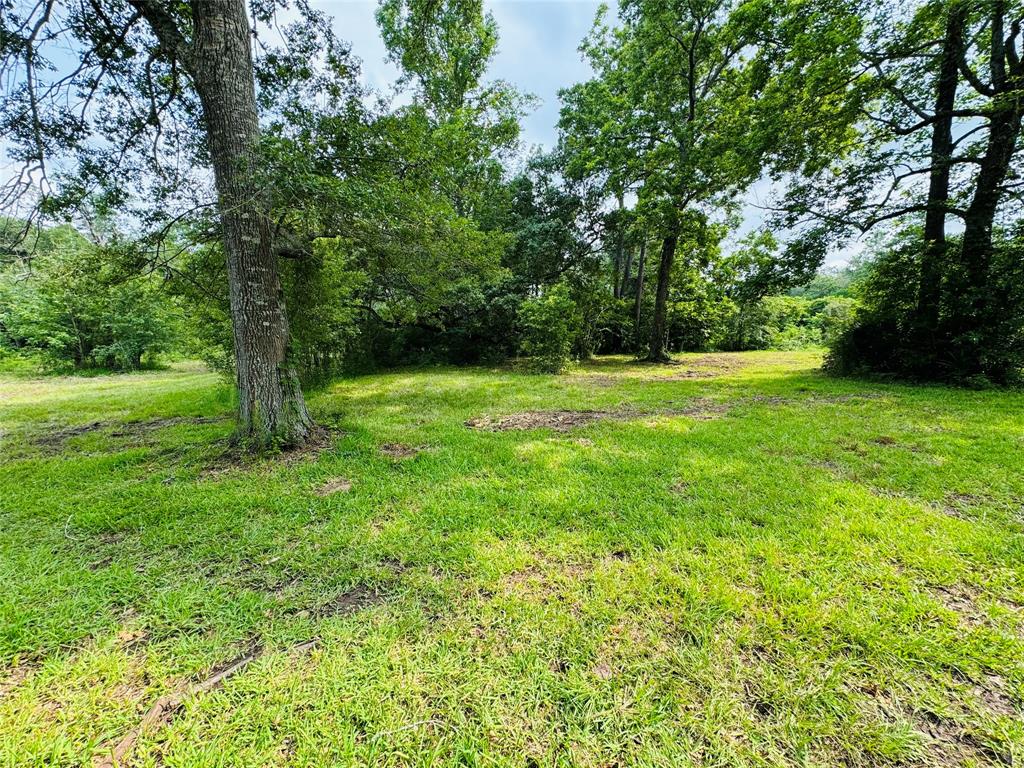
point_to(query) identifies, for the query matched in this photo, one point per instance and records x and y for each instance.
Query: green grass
(766, 567)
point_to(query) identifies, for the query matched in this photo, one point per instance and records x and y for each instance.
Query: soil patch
(137, 428)
(56, 440)
(398, 450)
(702, 409)
(961, 601)
(560, 421)
(351, 600)
(711, 367)
(597, 380)
(334, 485)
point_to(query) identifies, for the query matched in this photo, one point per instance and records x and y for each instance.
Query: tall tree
(156, 81)
(940, 101)
(443, 48)
(690, 102)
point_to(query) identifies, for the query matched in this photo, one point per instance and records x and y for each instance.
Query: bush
(885, 335)
(788, 322)
(548, 324)
(831, 316)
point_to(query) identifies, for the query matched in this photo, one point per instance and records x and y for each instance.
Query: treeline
(343, 229)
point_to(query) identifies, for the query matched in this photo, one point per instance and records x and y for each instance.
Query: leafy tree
(685, 107)
(443, 48)
(69, 302)
(158, 91)
(939, 104)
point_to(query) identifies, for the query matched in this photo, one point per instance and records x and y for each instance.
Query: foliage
(68, 301)
(883, 337)
(548, 324)
(789, 322)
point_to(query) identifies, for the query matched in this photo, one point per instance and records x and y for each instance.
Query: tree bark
(930, 286)
(620, 243)
(659, 326)
(272, 410)
(979, 219)
(638, 299)
(626, 273)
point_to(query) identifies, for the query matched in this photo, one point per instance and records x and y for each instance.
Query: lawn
(734, 561)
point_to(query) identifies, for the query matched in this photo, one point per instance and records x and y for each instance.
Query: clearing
(733, 561)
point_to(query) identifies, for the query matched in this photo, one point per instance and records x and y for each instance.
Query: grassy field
(735, 561)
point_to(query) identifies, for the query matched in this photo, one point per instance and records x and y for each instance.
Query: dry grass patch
(399, 451)
(335, 485)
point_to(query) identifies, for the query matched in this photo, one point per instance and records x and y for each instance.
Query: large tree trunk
(639, 297)
(272, 410)
(973, 287)
(976, 312)
(930, 286)
(659, 326)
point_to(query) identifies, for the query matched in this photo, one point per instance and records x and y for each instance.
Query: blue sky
(537, 50)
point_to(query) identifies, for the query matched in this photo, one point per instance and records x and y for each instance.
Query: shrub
(885, 336)
(788, 322)
(548, 324)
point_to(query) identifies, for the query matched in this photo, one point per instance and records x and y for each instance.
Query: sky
(537, 50)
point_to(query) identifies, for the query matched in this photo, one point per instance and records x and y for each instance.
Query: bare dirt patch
(946, 741)
(560, 421)
(597, 380)
(350, 601)
(56, 440)
(138, 428)
(992, 693)
(399, 451)
(710, 366)
(14, 677)
(334, 485)
(961, 601)
(702, 409)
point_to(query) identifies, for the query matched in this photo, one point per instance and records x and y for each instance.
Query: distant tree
(69, 302)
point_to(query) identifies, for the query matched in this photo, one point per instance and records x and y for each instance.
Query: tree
(71, 302)
(155, 80)
(690, 102)
(443, 48)
(939, 110)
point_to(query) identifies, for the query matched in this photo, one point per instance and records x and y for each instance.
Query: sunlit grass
(748, 564)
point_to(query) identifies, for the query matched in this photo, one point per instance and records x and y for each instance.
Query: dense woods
(206, 179)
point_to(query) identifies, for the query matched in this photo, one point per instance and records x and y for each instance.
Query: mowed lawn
(734, 561)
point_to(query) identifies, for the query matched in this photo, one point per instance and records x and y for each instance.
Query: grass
(741, 563)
